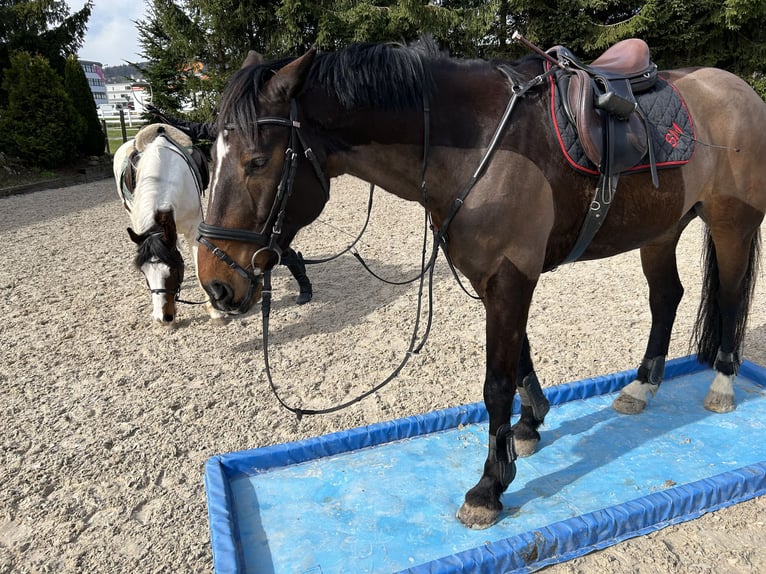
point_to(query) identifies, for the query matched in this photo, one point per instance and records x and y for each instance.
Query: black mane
(152, 247)
(387, 76)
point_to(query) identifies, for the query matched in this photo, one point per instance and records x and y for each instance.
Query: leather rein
(269, 237)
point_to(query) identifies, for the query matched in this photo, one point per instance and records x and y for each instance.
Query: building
(94, 73)
(132, 95)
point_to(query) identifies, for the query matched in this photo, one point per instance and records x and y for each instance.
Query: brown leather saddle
(599, 99)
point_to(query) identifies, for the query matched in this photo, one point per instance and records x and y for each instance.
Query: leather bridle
(268, 237)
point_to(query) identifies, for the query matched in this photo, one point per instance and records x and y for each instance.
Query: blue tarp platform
(383, 498)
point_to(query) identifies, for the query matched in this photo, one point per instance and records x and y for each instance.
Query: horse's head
(160, 261)
(266, 184)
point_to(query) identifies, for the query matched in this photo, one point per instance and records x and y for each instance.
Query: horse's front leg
(507, 299)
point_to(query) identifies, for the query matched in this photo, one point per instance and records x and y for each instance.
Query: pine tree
(40, 124)
(76, 85)
(43, 27)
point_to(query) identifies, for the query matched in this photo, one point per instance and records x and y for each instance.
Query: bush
(40, 125)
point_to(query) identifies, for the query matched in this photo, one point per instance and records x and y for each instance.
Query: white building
(95, 75)
(133, 95)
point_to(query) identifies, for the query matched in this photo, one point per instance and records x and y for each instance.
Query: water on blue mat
(392, 506)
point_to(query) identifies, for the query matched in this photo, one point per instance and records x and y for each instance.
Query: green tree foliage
(40, 124)
(43, 27)
(726, 33)
(729, 34)
(76, 85)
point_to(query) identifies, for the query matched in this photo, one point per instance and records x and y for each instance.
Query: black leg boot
(294, 262)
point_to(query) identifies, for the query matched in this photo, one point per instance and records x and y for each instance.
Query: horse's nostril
(220, 292)
(167, 318)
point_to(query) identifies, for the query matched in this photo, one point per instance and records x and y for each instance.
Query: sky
(111, 37)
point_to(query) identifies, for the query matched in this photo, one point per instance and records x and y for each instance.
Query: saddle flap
(588, 120)
(629, 138)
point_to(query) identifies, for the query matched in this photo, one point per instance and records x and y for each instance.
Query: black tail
(707, 330)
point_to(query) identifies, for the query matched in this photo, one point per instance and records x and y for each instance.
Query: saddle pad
(670, 125)
(382, 498)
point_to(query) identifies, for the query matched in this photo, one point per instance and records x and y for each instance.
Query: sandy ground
(108, 420)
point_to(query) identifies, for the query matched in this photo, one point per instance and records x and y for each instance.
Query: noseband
(268, 238)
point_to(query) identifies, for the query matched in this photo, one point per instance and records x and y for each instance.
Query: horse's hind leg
(660, 267)
(534, 405)
(731, 267)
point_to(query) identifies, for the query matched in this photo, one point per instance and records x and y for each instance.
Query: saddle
(599, 100)
(195, 158)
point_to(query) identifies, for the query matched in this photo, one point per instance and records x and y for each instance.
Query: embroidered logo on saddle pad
(670, 126)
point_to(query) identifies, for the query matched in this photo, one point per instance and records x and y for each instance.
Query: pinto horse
(160, 178)
(505, 203)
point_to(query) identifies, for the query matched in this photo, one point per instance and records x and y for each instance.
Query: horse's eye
(256, 164)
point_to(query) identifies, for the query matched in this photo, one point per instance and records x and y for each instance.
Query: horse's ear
(134, 237)
(288, 81)
(253, 59)
(167, 223)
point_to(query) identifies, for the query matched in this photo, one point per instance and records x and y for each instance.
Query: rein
(284, 191)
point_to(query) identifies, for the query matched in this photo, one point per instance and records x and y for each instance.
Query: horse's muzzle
(223, 297)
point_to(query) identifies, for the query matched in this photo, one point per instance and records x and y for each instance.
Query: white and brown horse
(160, 179)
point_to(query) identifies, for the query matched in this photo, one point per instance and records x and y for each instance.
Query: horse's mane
(387, 76)
(152, 247)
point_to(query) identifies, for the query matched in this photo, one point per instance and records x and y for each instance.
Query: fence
(119, 127)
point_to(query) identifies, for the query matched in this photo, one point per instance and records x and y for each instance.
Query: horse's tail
(707, 329)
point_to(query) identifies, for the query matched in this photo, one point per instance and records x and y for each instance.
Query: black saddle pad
(670, 125)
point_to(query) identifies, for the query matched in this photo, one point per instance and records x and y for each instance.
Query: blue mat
(382, 498)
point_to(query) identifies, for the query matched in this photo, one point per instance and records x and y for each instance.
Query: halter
(268, 237)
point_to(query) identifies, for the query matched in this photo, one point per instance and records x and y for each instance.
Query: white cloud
(112, 37)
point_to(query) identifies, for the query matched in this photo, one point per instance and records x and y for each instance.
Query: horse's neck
(386, 147)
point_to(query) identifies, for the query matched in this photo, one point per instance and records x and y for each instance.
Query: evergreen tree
(76, 85)
(43, 27)
(40, 124)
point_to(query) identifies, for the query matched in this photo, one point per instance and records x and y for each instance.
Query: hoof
(628, 405)
(719, 402)
(720, 396)
(220, 321)
(634, 397)
(477, 517)
(525, 447)
(304, 298)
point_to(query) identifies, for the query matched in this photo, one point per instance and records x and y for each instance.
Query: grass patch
(114, 134)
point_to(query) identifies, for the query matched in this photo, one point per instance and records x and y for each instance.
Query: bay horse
(160, 179)
(504, 201)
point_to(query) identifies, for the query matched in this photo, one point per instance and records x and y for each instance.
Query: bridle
(268, 237)
(284, 189)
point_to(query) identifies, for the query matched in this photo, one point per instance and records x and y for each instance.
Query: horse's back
(730, 133)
